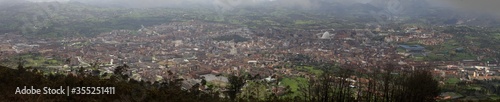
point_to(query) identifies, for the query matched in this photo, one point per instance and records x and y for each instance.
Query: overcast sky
(471, 4)
(487, 6)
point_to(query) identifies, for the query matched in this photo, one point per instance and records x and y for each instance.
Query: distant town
(195, 49)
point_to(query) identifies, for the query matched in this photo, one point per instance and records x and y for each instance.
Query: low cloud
(226, 4)
(470, 6)
(482, 6)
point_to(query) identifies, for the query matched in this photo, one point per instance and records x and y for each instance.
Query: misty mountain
(37, 17)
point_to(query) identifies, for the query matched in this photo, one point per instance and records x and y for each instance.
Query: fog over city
(469, 6)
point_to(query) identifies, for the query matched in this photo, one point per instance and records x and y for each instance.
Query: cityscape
(253, 53)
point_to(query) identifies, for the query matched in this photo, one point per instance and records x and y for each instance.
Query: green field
(310, 69)
(496, 36)
(452, 81)
(447, 51)
(295, 83)
(34, 60)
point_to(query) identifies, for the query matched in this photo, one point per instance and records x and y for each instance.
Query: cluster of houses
(189, 51)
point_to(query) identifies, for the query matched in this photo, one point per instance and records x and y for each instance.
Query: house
(460, 49)
(189, 83)
(491, 63)
(270, 79)
(212, 77)
(413, 48)
(252, 62)
(471, 63)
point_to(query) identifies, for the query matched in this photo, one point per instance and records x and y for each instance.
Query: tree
(388, 85)
(120, 69)
(329, 87)
(203, 82)
(20, 67)
(421, 87)
(254, 91)
(81, 71)
(235, 86)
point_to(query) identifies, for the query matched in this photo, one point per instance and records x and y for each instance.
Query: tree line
(332, 86)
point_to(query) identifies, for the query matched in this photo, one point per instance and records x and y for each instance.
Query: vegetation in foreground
(416, 86)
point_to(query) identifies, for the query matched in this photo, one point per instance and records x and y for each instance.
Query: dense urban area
(250, 54)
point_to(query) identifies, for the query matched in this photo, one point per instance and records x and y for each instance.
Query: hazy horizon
(482, 6)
